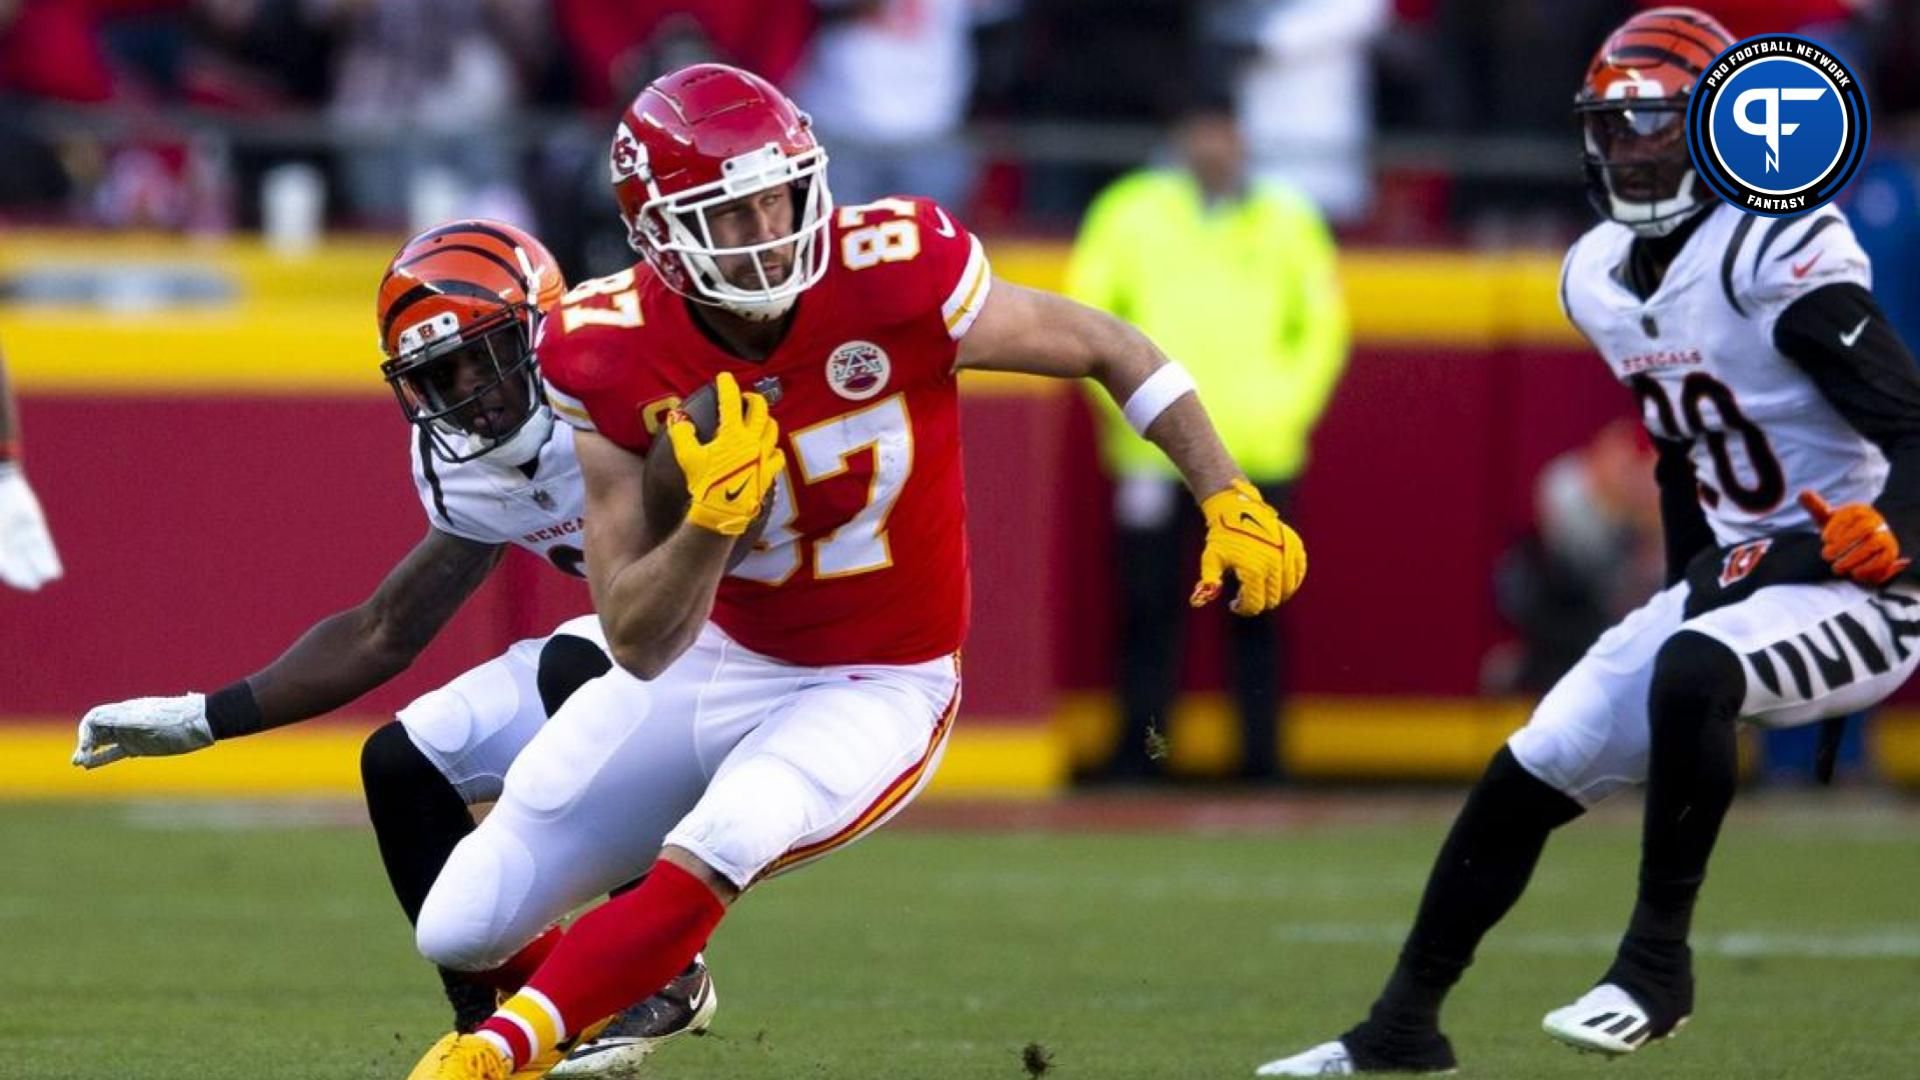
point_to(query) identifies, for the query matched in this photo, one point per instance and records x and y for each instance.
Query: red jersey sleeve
(915, 262)
(586, 363)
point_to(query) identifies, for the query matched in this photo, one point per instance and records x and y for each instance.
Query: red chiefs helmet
(1633, 111)
(460, 292)
(705, 136)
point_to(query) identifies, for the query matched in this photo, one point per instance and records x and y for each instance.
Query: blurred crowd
(216, 114)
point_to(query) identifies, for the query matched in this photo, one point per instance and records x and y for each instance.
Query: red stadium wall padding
(202, 534)
(1422, 472)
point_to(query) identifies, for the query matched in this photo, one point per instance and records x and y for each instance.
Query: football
(666, 489)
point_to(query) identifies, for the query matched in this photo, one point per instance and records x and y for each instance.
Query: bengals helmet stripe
(1682, 40)
(427, 291)
(1632, 108)
(503, 264)
(1653, 53)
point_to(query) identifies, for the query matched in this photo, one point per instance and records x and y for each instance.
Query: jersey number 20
(1769, 483)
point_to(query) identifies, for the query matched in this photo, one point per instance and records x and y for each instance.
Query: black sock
(418, 817)
(473, 1001)
(1698, 687)
(1481, 871)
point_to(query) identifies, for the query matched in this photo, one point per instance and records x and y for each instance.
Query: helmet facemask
(1638, 170)
(675, 233)
(425, 380)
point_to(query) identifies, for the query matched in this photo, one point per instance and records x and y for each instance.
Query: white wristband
(1162, 389)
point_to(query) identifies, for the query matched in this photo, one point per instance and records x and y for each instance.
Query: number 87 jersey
(864, 559)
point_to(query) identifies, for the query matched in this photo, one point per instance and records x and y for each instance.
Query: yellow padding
(306, 324)
(324, 759)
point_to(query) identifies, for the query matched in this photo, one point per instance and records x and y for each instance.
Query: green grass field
(148, 941)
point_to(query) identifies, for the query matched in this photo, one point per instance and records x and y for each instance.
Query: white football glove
(27, 558)
(143, 727)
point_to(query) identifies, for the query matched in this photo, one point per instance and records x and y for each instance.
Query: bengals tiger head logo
(1742, 560)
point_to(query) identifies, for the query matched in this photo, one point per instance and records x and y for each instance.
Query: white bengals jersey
(1699, 356)
(496, 503)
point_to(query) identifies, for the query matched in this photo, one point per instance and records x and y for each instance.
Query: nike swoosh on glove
(729, 474)
(1247, 538)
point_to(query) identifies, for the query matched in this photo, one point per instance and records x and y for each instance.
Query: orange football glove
(1856, 541)
(1244, 535)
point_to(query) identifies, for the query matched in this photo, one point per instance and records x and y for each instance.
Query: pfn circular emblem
(1777, 125)
(858, 370)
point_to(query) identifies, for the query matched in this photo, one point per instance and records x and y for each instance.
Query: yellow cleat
(462, 1057)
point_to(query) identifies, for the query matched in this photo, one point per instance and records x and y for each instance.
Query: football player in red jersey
(761, 717)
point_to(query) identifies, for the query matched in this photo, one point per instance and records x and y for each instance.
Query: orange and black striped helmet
(1632, 107)
(459, 306)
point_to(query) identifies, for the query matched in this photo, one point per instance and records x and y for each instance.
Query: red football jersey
(864, 558)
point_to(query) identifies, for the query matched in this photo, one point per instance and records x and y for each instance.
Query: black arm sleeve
(1839, 336)
(1683, 525)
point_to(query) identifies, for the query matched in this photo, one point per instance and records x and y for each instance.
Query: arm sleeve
(1840, 338)
(1683, 525)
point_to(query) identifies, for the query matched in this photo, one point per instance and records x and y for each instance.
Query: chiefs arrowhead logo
(628, 158)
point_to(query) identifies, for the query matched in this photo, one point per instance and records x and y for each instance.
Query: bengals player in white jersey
(458, 309)
(763, 717)
(1787, 417)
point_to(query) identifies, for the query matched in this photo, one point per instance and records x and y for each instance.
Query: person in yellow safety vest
(1236, 278)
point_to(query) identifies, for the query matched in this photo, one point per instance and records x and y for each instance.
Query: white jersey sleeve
(1795, 256)
(1568, 267)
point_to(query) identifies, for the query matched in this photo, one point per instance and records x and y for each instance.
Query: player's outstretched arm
(652, 588)
(340, 658)
(1040, 333)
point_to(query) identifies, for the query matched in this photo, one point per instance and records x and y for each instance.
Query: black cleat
(685, 1007)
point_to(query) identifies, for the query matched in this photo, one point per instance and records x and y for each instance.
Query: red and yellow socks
(615, 955)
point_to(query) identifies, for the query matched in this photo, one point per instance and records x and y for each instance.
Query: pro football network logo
(1777, 125)
(858, 370)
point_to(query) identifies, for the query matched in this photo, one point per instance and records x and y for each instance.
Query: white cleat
(1327, 1059)
(1606, 1020)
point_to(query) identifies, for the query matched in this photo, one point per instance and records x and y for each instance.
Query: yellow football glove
(1244, 535)
(728, 475)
